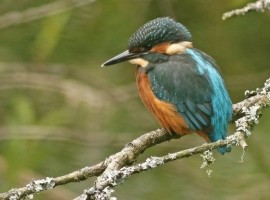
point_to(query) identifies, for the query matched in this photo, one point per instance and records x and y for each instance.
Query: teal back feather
(192, 82)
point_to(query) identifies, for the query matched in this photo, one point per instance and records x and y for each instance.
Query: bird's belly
(165, 112)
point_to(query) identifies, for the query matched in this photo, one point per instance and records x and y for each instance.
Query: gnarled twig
(259, 6)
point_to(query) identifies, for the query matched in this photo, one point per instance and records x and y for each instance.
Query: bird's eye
(138, 50)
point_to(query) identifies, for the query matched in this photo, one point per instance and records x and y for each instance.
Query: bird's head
(161, 35)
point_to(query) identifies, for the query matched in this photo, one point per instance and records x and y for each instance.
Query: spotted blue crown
(159, 30)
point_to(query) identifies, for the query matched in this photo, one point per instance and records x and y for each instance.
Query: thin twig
(259, 6)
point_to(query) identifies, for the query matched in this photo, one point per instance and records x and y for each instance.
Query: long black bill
(126, 55)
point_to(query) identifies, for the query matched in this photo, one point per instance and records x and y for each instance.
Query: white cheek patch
(178, 48)
(139, 61)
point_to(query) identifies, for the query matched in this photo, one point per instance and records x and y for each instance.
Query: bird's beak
(124, 56)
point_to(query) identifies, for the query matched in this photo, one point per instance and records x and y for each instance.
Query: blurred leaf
(49, 35)
(21, 111)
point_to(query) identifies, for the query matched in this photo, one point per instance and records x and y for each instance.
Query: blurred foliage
(60, 111)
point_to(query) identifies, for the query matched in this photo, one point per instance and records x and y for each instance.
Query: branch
(104, 185)
(251, 108)
(113, 170)
(259, 6)
(126, 156)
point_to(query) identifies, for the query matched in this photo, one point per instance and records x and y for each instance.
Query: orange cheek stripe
(160, 48)
(165, 112)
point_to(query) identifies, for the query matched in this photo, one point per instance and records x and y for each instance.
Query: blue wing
(178, 82)
(191, 81)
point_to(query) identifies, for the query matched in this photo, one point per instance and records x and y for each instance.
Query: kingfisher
(181, 85)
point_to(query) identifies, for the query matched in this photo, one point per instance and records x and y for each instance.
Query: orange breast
(165, 112)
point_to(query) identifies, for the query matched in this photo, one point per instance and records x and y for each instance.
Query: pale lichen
(208, 159)
(42, 184)
(152, 162)
(94, 193)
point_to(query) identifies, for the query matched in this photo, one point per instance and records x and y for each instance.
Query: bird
(182, 86)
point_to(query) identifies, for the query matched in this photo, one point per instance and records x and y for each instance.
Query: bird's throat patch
(139, 61)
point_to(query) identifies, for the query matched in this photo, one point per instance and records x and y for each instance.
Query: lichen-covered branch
(114, 170)
(259, 6)
(126, 156)
(104, 185)
(250, 109)
(49, 183)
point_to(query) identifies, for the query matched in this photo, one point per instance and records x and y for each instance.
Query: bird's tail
(223, 150)
(213, 138)
(216, 137)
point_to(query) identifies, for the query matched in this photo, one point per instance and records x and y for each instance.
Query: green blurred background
(60, 111)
